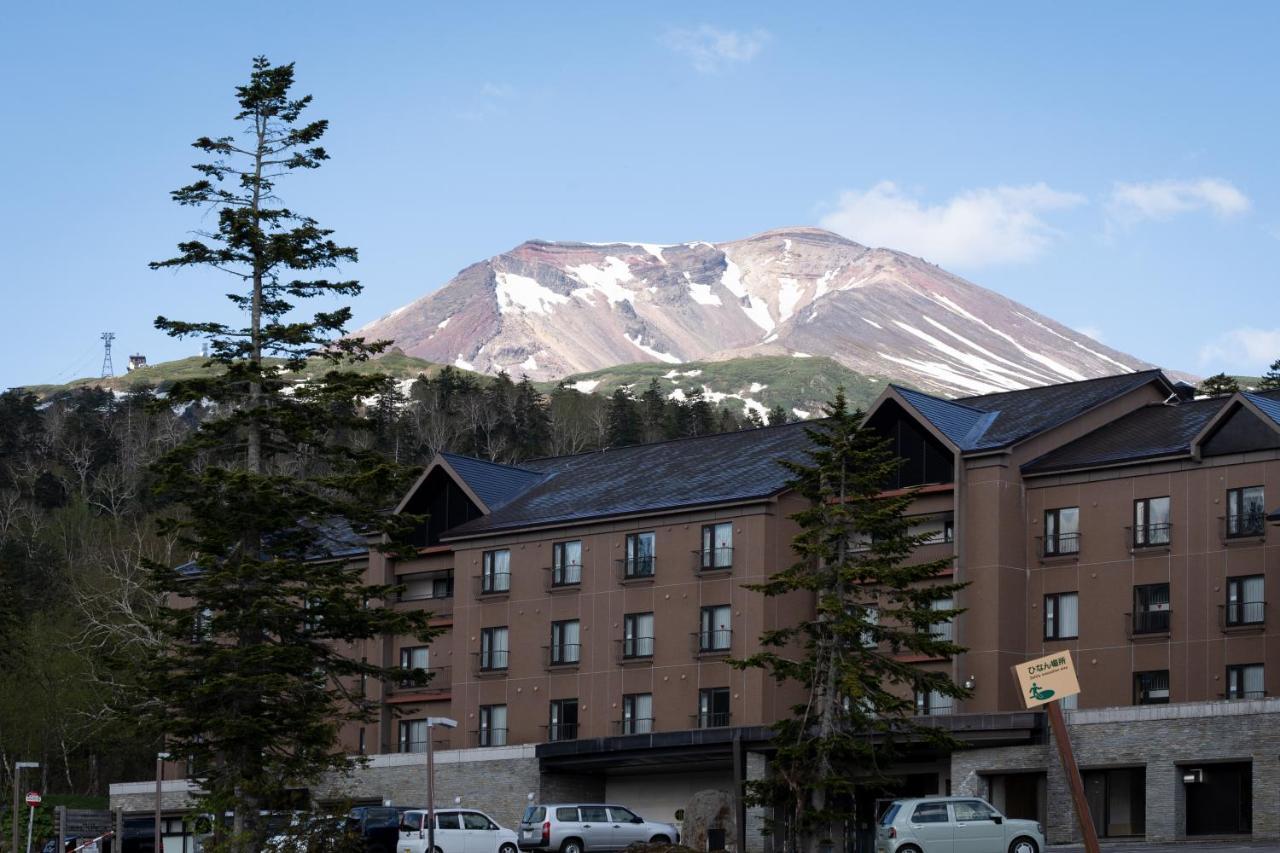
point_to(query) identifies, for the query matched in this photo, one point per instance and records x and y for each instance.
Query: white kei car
(457, 831)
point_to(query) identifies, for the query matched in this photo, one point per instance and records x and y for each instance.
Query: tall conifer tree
(262, 637)
(873, 605)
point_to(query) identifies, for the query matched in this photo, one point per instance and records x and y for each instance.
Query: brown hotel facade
(591, 603)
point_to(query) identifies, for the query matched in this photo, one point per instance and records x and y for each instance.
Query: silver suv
(954, 825)
(577, 827)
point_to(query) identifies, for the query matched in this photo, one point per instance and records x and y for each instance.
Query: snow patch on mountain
(519, 294)
(639, 344)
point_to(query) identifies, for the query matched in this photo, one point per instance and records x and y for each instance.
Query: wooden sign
(1047, 679)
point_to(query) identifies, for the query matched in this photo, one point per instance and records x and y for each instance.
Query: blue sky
(1111, 165)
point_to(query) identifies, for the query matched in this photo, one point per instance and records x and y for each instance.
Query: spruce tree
(778, 415)
(1271, 379)
(258, 668)
(1219, 385)
(873, 605)
(532, 421)
(623, 425)
(653, 411)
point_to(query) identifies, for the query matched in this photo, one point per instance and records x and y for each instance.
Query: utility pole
(161, 758)
(18, 767)
(432, 722)
(108, 369)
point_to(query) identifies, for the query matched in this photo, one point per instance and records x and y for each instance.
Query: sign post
(1046, 681)
(33, 800)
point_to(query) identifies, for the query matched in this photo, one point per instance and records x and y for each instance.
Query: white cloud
(712, 50)
(488, 101)
(1246, 351)
(981, 227)
(1157, 200)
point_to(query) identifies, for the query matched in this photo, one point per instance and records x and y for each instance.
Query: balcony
(635, 569)
(489, 737)
(1251, 525)
(562, 655)
(565, 578)
(635, 649)
(1151, 536)
(711, 560)
(434, 681)
(562, 731)
(715, 642)
(1242, 615)
(711, 719)
(493, 584)
(1060, 545)
(493, 662)
(1148, 623)
(634, 726)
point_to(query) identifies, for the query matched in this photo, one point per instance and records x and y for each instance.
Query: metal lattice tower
(107, 368)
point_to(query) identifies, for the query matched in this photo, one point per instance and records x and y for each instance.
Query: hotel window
(493, 725)
(495, 571)
(1244, 681)
(717, 546)
(942, 630)
(639, 555)
(1062, 531)
(1151, 688)
(716, 632)
(564, 720)
(1062, 616)
(493, 648)
(713, 707)
(413, 735)
(566, 563)
(1246, 600)
(871, 615)
(935, 528)
(1151, 608)
(1151, 522)
(414, 661)
(427, 586)
(932, 703)
(565, 646)
(637, 713)
(637, 635)
(1246, 512)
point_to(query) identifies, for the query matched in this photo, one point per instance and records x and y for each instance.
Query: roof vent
(1184, 390)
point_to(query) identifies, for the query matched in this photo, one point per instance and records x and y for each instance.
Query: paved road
(1185, 847)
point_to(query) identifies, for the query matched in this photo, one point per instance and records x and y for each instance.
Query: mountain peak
(549, 309)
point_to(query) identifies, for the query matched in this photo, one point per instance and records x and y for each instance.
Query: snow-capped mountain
(553, 309)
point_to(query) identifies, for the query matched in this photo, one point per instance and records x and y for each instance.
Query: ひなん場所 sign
(1047, 679)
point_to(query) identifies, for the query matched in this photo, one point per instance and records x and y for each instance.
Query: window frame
(708, 717)
(555, 721)
(1235, 683)
(493, 582)
(633, 643)
(565, 653)
(1153, 676)
(1236, 510)
(1058, 536)
(1053, 615)
(630, 719)
(560, 576)
(1146, 611)
(710, 554)
(489, 652)
(1235, 588)
(1142, 529)
(711, 638)
(485, 734)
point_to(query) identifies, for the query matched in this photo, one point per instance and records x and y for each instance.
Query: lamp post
(432, 722)
(161, 758)
(18, 767)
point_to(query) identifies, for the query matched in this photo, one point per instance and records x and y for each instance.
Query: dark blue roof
(493, 483)
(723, 468)
(962, 424)
(1270, 406)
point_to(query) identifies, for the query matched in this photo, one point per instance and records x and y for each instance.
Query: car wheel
(572, 845)
(659, 839)
(507, 848)
(1023, 845)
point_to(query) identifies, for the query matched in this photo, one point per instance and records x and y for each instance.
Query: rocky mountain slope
(550, 310)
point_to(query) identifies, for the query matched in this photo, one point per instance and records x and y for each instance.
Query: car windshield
(534, 814)
(887, 818)
(411, 822)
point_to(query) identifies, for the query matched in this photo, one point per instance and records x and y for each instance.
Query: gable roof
(1267, 404)
(727, 467)
(494, 483)
(962, 424)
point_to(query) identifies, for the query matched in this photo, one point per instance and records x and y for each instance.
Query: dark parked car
(378, 825)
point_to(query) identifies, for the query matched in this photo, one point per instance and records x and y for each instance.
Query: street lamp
(432, 722)
(161, 758)
(18, 767)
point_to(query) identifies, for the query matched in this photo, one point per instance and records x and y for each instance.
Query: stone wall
(1165, 739)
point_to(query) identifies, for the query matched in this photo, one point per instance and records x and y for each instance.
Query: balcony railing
(1250, 524)
(562, 731)
(1149, 622)
(566, 576)
(635, 726)
(637, 568)
(711, 719)
(1061, 545)
(718, 641)
(494, 660)
(437, 678)
(489, 737)
(1152, 535)
(494, 583)
(713, 559)
(1247, 694)
(635, 648)
(563, 654)
(1240, 613)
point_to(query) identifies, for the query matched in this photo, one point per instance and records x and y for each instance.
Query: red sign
(33, 798)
